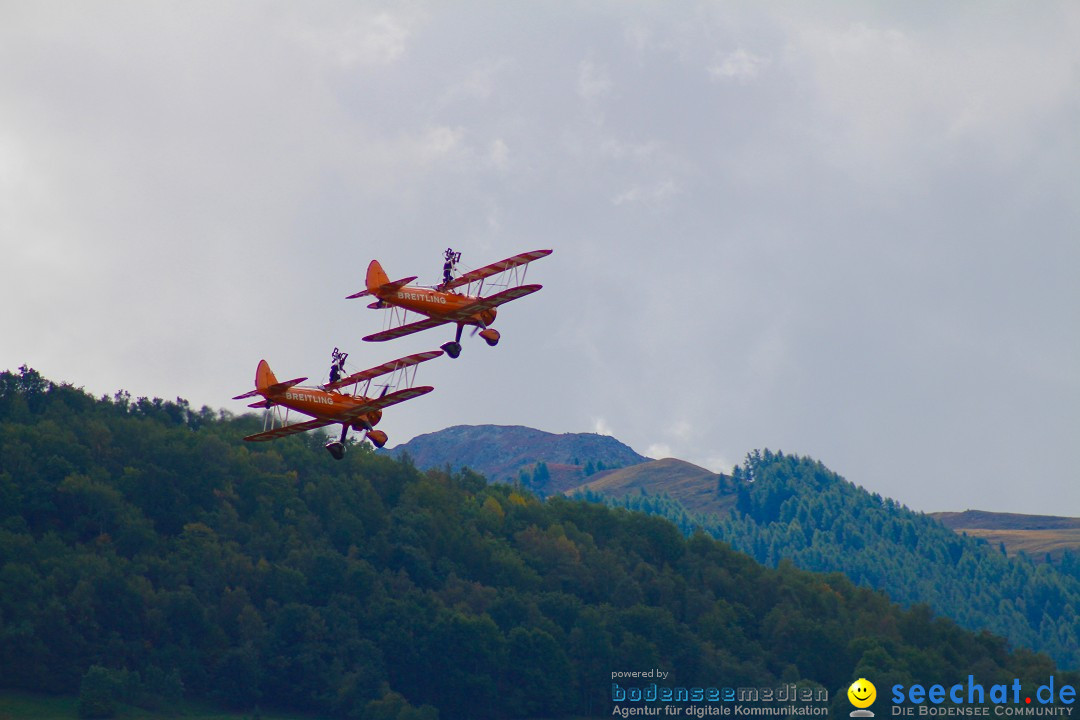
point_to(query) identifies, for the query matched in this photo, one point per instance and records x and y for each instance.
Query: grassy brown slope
(1035, 535)
(692, 486)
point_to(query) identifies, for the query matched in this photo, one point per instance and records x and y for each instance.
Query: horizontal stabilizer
(271, 389)
(283, 386)
(383, 289)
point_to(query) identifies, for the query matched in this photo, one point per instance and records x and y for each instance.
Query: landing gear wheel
(452, 348)
(336, 448)
(491, 337)
(377, 437)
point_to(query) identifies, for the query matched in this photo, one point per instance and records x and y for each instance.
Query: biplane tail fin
(264, 376)
(266, 383)
(264, 379)
(376, 276)
(378, 281)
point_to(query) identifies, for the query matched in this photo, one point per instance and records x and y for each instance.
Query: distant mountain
(511, 453)
(1040, 537)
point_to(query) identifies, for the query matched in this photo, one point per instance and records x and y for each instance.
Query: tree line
(147, 554)
(796, 509)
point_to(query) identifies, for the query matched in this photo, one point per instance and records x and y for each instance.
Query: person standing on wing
(337, 365)
(448, 266)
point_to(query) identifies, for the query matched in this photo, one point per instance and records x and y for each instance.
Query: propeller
(478, 327)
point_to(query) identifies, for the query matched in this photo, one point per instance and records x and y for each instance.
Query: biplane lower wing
(495, 300)
(387, 400)
(403, 330)
(392, 366)
(288, 430)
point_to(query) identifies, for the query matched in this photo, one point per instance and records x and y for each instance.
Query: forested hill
(795, 509)
(146, 552)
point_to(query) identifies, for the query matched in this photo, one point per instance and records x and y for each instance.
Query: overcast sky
(843, 230)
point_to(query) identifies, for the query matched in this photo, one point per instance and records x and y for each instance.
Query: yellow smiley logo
(862, 693)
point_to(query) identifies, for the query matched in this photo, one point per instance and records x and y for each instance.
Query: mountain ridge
(637, 472)
(502, 453)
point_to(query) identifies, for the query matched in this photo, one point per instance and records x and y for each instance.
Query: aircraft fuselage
(332, 406)
(438, 304)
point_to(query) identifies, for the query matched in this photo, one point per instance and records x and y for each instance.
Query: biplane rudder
(264, 376)
(376, 276)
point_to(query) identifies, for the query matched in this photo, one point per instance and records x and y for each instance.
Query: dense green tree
(795, 509)
(150, 553)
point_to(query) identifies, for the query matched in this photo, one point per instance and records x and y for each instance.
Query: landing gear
(337, 447)
(453, 348)
(377, 437)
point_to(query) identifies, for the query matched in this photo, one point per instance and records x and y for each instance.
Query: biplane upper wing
(387, 400)
(384, 288)
(492, 301)
(496, 268)
(392, 366)
(288, 430)
(402, 330)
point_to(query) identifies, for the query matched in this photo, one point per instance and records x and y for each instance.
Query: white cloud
(717, 463)
(364, 40)
(740, 65)
(652, 195)
(658, 451)
(485, 80)
(899, 93)
(498, 153)
(594, 81)
(437, 142)
(601, 427)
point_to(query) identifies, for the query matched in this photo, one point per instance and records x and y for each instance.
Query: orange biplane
(443, 304)
(328, 406)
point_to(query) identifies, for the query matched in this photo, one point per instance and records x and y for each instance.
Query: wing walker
(355, 401)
